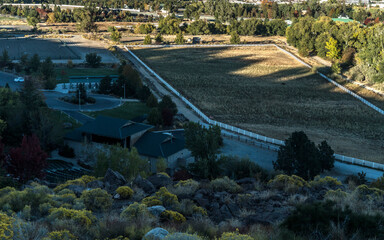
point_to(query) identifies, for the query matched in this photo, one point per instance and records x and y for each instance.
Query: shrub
(96, 199)
(287, 183)
(185, 187)
(125, 192)
(6, 190)
(67, 151)
(135, 211)
(161, 165)
(83, 181)
(325, 182)
(235, 236)
(225, 184)
(167, 198)
(147, 40)
(320, 217)
(182, 236)
(151, 201)
(60, 235)
(335, 195)
(33, 197)
(203, 226)
(93, 60)
(235, 38)
(187, 207)
(83, 218)
(63, 198)
(45, 208)
(365, 192)
(112, 225)
(172, 216)
(378, 183)
(69, 63)
(6, 227)
(238, 168)
(200, 210)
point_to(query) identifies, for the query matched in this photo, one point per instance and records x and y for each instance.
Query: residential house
(104, 130)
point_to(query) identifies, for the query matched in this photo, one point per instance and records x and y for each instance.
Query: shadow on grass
(275, 95)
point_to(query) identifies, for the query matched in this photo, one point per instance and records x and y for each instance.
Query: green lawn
(60, 118)
(62, 74)
(127, 111)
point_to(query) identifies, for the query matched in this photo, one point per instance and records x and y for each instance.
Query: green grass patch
(63, 74)
(127, 111)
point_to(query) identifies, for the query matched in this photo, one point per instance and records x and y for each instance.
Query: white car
(19, 79)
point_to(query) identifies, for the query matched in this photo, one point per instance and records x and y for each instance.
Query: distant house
(115, 131)
(42, 13)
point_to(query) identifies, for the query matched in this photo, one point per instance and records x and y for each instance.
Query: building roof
(113, 127)
(160, 144)
(342, 20)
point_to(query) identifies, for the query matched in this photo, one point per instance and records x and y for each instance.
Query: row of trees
(42, 73)
(299, 156)
(345, 44)
(173, 25)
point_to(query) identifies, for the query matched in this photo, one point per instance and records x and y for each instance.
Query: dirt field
(73, 47)
(53, 48)
(266, 91)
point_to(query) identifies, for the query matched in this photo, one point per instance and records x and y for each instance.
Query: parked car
(19, 79)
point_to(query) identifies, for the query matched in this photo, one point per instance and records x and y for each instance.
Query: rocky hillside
(283, 207)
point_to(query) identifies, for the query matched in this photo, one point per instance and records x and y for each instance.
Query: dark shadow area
(274, 95)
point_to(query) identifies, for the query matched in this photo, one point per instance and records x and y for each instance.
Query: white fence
(255, 136)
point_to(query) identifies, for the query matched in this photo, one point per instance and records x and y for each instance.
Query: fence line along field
(263, 90)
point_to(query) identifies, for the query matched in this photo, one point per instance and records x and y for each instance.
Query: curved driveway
(53, 101)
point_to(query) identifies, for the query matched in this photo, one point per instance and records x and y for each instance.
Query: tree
(85, 19)
(47, 72)
(152, 101)
(299, 156)
(159, 38)
(333, 49)
(93, 60)
(34, 63)
(147, 40)
(3, 125)
(33, 21)
(154, 117)
(128, 163)
(115, 34)
(180, 38)
(27, 161)
(235, 38)
(167, 103)
(105, 85)
(5, 59)
(82, 91)
(201, 141)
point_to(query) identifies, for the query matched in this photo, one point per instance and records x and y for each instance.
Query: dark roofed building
(169, 145)
(110, 130)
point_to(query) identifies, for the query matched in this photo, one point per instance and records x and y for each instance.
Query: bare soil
(268, 92)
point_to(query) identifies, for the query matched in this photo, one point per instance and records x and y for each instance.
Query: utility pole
(124, 90)
(79, 99)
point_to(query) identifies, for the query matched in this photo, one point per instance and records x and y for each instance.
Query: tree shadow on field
(223, 86)
(56, 49)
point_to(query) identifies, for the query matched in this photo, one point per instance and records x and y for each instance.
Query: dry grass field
(266, 91)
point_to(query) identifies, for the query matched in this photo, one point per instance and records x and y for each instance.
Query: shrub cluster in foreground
(283, 207)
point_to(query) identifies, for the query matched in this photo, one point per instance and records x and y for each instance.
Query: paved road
(52, 98)
(78, 116)
(8, 78)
